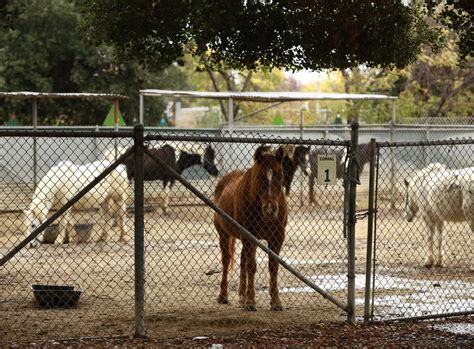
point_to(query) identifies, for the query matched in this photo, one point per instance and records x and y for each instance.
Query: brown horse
(256, 200)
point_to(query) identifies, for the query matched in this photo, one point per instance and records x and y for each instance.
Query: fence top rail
(454, 141)
(68, 133)
(60, 95)
(266, 96)
(243, 139)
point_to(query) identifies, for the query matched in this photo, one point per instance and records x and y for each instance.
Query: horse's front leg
(288, 187)
(226, 257)
(66, 228)
(311, 189)
(431, 232)
(165, 197)
(439, 240)
(273, 265)
(105, 210)
(122, 213)
(247, 275)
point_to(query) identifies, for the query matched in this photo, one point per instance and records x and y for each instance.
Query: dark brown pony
(256, 200)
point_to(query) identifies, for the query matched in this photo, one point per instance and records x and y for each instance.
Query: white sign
(327, 169)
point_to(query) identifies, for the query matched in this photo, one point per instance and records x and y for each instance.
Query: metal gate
(410, 273)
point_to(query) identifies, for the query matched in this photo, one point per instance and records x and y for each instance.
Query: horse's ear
(405, 182)
(261, 150)
(280, 154)
(288, 150)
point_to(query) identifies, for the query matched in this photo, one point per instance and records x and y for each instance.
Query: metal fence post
(140, 330)
(370, 225)
(392, 154)
(353, 170)
(35, 145)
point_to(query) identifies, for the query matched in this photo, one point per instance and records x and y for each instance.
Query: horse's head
(413, 185)
(187, 160)
(208, 161)
(267, 179)
(301, 158)
(411, 208)
(32, 221)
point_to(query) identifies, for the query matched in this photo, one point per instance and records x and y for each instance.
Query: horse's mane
(433, 167)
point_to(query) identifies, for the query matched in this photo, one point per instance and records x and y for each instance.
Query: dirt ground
(448, 333)
(182, 266)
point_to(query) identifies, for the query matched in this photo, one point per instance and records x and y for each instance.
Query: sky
(305, 76)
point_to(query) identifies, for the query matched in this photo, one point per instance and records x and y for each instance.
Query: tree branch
(450, 93)
(216, 88)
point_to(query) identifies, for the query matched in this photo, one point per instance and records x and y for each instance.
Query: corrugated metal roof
(266, 96)
(28, 94)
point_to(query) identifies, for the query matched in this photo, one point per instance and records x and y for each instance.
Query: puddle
(297, 262)
(456, 328)
(339, 283)
(186, 244)
(419, 297)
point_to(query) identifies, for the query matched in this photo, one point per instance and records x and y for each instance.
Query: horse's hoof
(222, 300)
(276, 307)
(250, 307)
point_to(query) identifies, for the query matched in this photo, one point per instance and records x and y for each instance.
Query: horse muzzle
(270, 211)
(212, 170)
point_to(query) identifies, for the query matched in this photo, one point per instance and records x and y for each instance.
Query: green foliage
(44, 49)
(255, 34)
(211, 119)
(458, 16)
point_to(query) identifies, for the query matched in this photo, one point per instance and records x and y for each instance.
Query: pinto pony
(155, 171)
(256, 200)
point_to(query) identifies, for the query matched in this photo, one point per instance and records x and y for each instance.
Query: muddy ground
(183, 273)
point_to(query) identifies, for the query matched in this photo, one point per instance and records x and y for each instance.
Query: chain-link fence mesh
(417, 272)
(183, 266)
(182, 253)
(94, 269)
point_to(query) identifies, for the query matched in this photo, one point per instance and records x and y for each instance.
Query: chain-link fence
(423, 241)
(94, 264)
(90, 283)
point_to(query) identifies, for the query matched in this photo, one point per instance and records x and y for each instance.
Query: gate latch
(362, 214)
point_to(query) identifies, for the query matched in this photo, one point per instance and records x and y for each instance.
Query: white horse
(65, 180)
(433, 192)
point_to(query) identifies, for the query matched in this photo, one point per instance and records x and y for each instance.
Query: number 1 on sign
(327, 179)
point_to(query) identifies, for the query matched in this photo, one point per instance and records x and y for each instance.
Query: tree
(43, 48)
(203, 78)
(434, 85)
(260, 34)
(457, 16)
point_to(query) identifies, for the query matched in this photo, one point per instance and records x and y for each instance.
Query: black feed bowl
(52, 296)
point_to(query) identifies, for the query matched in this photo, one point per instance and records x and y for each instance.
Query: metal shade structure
(35, 96)
(265, 97)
